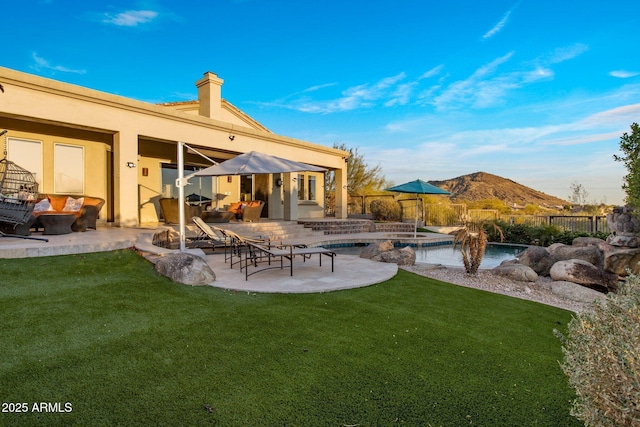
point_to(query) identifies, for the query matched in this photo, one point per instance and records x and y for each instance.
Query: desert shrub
(602, 359)
(543, 235)
(473, 243)
(385, 210)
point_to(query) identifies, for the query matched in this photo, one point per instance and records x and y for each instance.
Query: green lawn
(124, 346)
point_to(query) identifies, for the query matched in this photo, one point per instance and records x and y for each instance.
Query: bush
(602, 359)
(544, 235)
(385, 210)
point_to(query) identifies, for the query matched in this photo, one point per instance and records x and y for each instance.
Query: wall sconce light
(278, 182)
(294, 179)
(131, 165)
(232, 137)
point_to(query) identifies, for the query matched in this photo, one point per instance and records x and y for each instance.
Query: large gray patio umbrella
(249, 163)
(417, 187)
(255, 162)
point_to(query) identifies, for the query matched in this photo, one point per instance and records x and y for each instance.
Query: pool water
(449, 256)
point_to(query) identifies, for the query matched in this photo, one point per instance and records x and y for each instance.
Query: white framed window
(312, 187)
(27, 154)
(301, 192)
(68, 169)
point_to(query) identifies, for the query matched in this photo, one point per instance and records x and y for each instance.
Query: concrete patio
(349, 271)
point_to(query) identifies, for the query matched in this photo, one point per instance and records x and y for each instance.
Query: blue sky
(536, 91)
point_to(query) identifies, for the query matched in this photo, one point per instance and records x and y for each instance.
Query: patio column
(341, 193)
(125, 169)
(290, 190)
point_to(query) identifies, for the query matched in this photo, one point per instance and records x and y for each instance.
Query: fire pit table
(57, 223)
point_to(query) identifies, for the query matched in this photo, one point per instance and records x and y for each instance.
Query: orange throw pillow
(57, 202)
(235, 207)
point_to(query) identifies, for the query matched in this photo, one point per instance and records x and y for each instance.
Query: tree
(578, 194)
(361, 177)
(630, 147)
(473, 243)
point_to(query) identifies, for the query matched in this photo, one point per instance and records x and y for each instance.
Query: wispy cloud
(478, 89)
(432, 72)
(623, 74)
(402, 94)
(498, 27)
(130, 18)
(361, 96)
(41, 63)
(562, 54)
(318, 87)
(488, 86)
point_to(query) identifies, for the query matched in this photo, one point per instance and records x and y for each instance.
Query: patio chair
(208, 235)
(238, 244)
(260, 253)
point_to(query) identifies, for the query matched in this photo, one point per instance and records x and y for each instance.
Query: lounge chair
(232, 242)
(207, 234)
(259, 253)
(238, 244)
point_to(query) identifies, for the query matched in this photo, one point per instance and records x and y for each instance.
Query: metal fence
(456, 215)
(585, 223)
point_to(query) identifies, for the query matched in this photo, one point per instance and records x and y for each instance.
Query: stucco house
(82, 141)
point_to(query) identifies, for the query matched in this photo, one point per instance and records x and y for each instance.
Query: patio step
(350, 226)
(276, 230)
(338, 226)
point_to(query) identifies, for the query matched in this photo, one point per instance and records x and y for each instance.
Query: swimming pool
(447, 255)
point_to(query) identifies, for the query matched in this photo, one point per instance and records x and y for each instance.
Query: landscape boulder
(618, 260)
(386, 252)
(587, 241)
(576, 292)
(584, 273)
(538, 259)
(376, 248)
(622, 221)
(624, 241)
(404, 256)
(552, 247)
(590, 254)
(185, 268)
(516, 271)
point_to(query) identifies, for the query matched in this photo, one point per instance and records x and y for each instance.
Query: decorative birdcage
(18, 193)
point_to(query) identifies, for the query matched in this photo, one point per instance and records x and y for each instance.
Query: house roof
(193, 105)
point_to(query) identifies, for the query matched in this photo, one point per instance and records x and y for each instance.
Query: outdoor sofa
(85, 209)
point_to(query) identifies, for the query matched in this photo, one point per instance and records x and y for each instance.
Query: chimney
(210, 95)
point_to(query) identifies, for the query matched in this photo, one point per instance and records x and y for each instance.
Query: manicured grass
(125, 346)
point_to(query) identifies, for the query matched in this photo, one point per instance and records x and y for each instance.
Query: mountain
(482, 185)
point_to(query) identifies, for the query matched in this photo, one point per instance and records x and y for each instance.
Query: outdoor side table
(58, 223)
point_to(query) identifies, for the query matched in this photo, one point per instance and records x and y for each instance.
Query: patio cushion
(92, 201)
(236, 208)
(57, 202)
(73, 205)
(42, 206)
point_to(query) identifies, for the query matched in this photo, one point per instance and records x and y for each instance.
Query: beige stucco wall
(95, 160)
(125, 122)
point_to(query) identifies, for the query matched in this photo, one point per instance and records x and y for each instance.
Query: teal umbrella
(417, 187)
